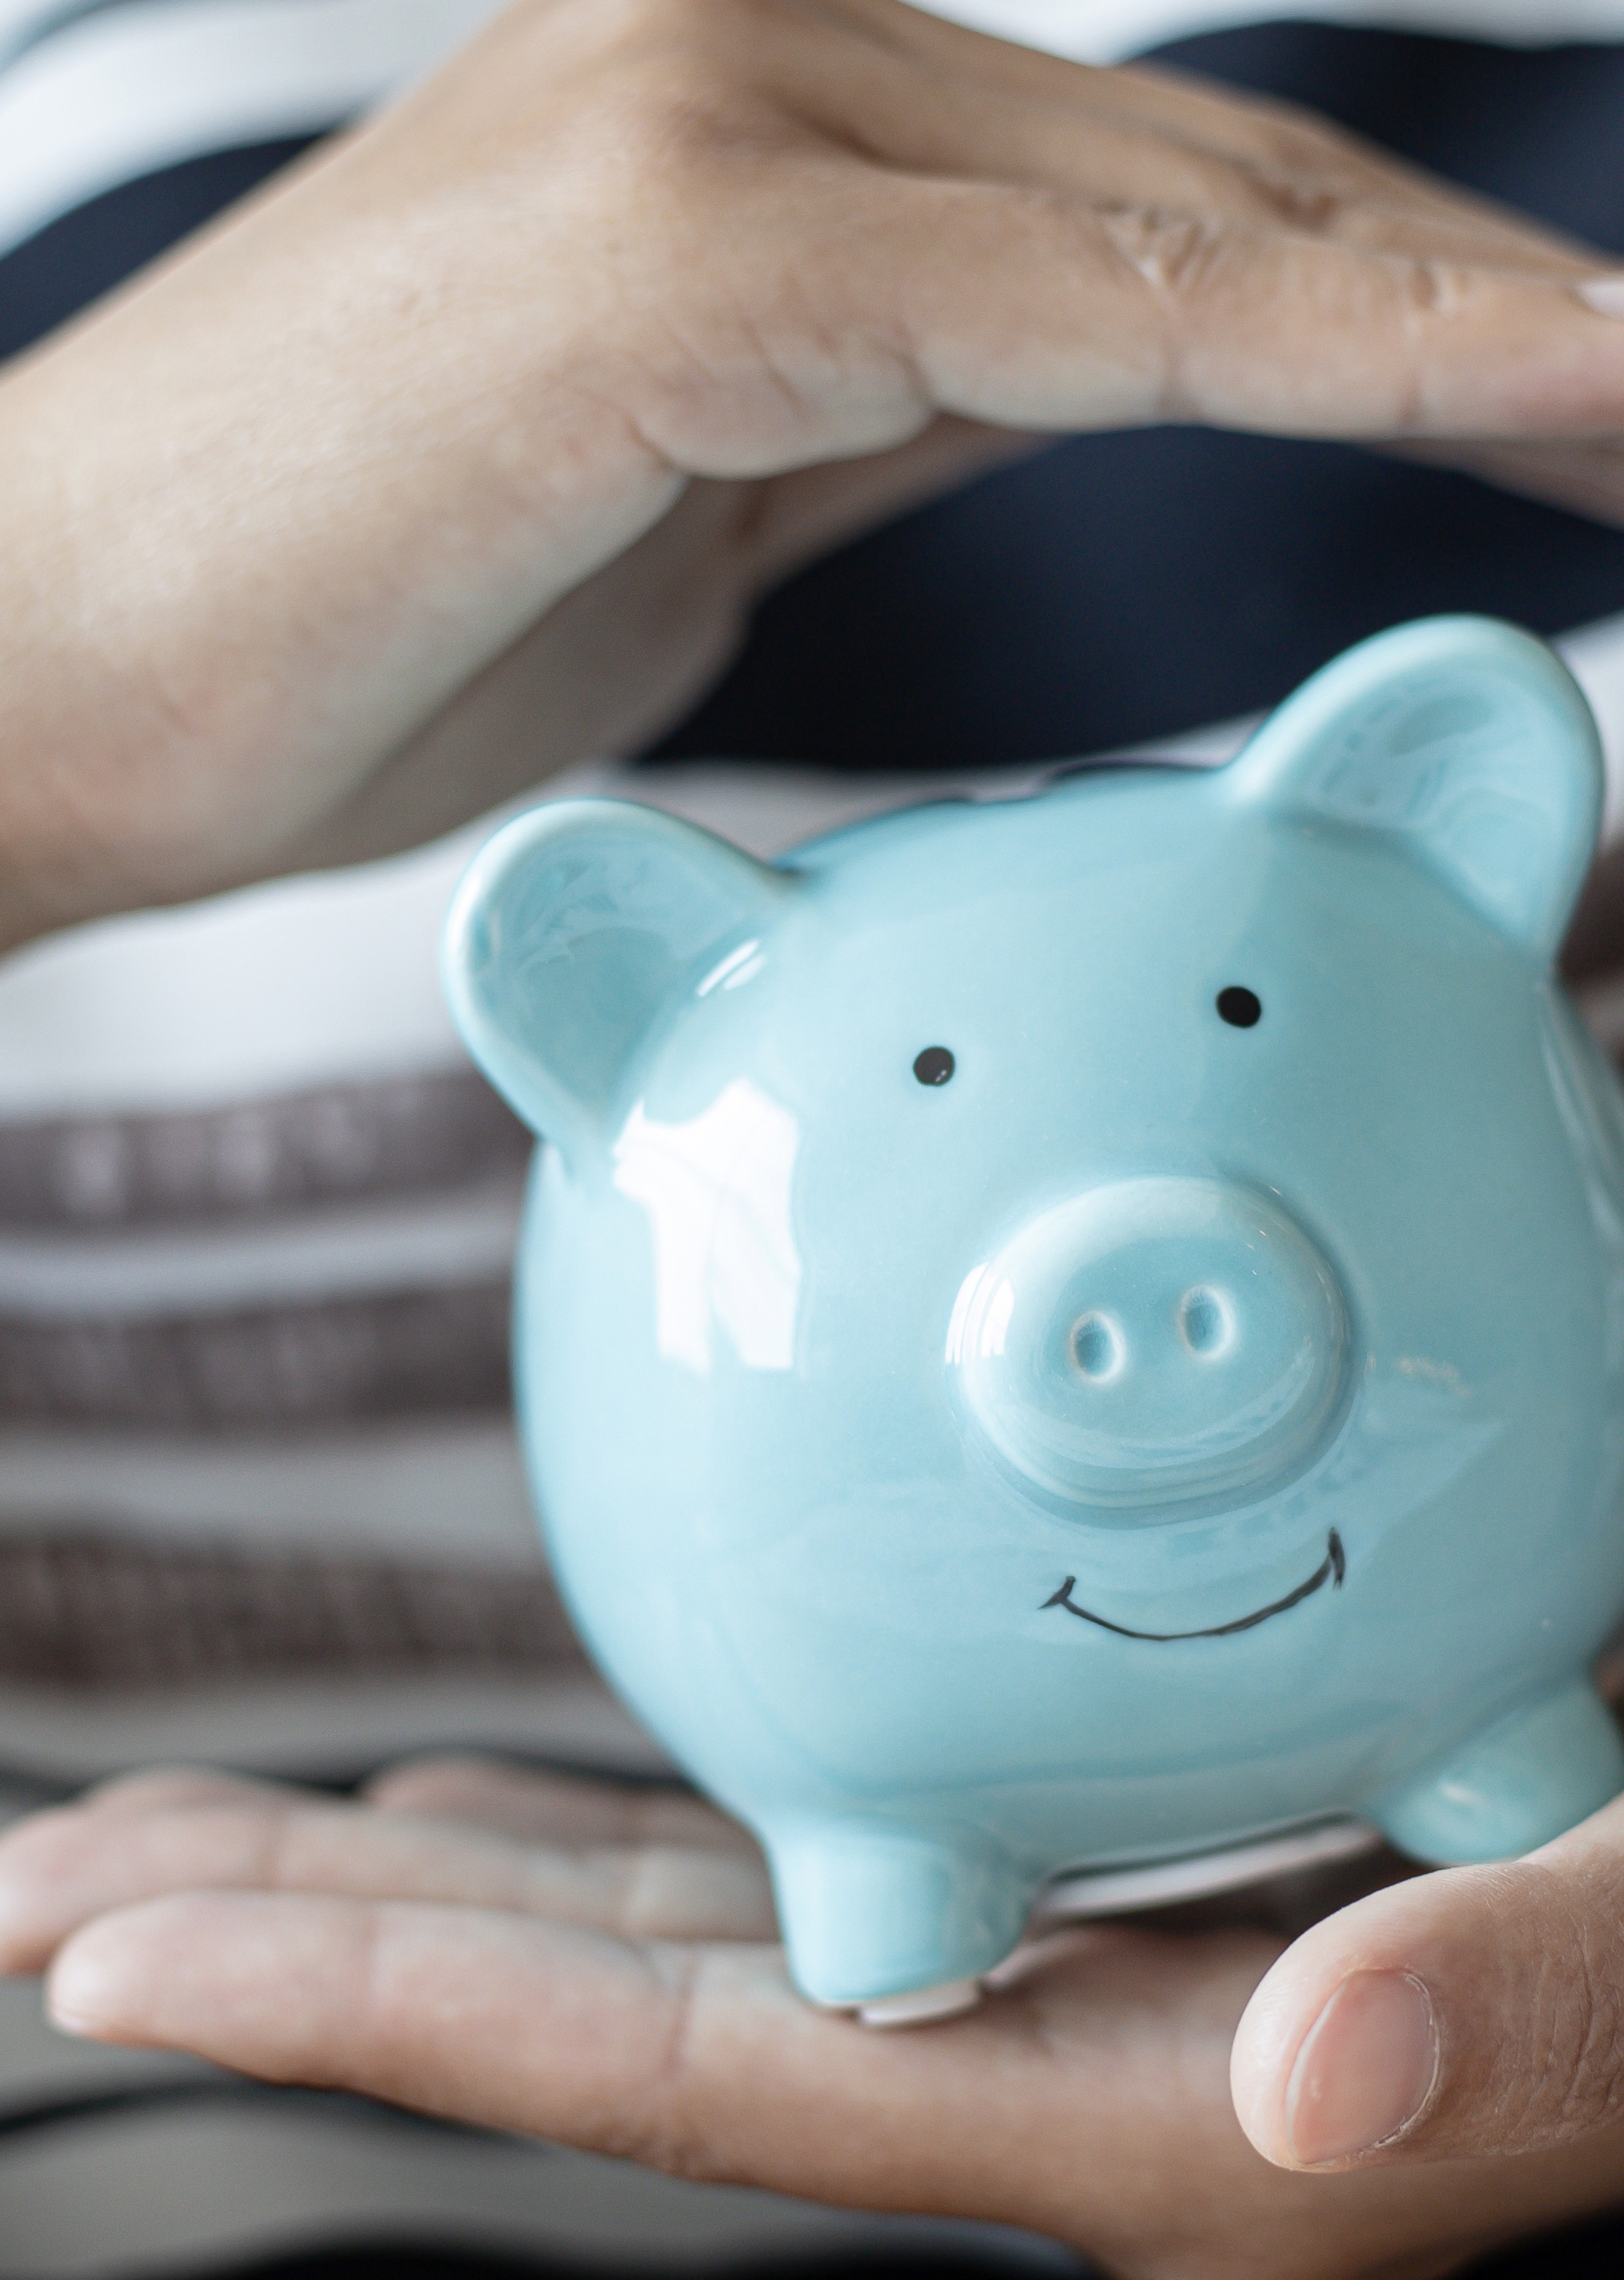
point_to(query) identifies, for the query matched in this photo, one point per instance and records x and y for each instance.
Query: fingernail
(1605, 295)
(1365, 2069)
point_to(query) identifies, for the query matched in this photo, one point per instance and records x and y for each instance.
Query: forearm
(258, 511)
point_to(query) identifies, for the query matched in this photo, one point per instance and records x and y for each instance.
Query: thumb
(1474, 2011)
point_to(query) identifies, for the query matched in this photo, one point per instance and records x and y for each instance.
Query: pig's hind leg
(898, 1924)
(1516, 1785)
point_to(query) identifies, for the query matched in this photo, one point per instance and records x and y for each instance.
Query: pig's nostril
(1096, 1347)
(1204, 1321)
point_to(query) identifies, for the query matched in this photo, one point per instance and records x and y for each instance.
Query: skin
(462, 454)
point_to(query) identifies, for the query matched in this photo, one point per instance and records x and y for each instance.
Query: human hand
(462, 452)
(593, 1966)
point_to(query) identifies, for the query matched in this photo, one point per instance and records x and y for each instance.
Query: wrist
(201, 662)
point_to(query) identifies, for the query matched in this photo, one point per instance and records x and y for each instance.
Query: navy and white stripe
(106, 92)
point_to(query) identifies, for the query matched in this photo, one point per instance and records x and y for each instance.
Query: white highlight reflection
(962, 1304)
(717, 1193)
(980, 1317)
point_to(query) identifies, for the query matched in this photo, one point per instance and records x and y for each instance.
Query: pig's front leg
(1515, 1786)
(897, 1923)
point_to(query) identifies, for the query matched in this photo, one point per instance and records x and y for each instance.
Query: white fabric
(136, 88)
(311, 982)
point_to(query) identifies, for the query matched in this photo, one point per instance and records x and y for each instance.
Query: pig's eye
(933, 1065)
(1243, 1009)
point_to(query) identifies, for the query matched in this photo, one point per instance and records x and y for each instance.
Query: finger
(665, 2055)
(1079, 146)
(1475, 2012)
(1586, 478)
(156, 1787)
(1240, 124)
(1021, 309)
(560, 1808)
(60, 1871)
(1084, 319)
(1303, 155)
(939, 99)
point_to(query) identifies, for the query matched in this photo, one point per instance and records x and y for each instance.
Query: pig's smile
(1331, 1569)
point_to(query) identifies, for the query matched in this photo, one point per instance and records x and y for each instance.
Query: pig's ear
(1463, 739)
(574, 929)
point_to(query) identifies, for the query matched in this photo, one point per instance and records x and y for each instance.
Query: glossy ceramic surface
(1078, 1330)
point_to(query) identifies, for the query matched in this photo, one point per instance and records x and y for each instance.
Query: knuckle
(1560, 2074)
(697, 51)
(1587, 2077)
(1175, 253)
(683, 114)
(275, 1853)
(671, 2134)
(1434, 288)
(1189, 263)
(643, 1898)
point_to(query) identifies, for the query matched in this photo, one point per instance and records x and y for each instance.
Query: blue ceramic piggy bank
(1085, 1329)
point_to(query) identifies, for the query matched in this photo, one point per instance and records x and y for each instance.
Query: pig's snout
(1155, 1345)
